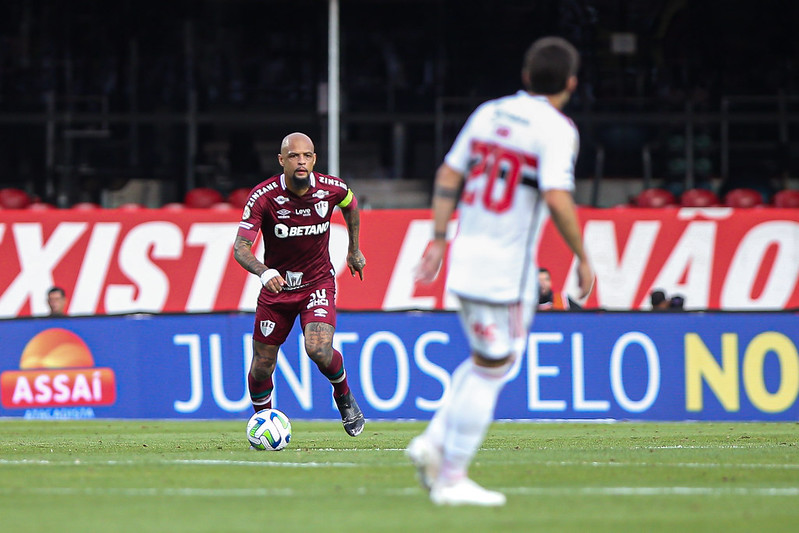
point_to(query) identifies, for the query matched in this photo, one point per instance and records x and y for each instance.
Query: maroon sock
(336, 374)
(260, 392)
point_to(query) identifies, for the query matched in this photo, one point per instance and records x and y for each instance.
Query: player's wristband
(266, 275)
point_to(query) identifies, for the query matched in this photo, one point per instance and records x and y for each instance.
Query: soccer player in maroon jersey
(292, 211)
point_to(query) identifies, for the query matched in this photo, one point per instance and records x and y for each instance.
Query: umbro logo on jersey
(284, 213)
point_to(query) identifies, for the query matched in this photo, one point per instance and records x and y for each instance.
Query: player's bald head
(294, 140)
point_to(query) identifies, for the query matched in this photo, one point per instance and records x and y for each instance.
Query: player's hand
(585, 279)
(431, 261)
(356, 261)
(272, 280)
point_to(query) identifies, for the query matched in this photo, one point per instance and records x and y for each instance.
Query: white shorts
(496, 330)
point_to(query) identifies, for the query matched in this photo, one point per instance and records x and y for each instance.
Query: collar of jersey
(539, 97)
(283, 181)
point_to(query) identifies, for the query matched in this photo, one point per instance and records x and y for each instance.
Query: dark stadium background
(94, 94)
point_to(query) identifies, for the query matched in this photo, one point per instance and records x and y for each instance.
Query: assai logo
(57, 370)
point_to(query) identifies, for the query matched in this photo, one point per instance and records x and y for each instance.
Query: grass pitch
(199, 476)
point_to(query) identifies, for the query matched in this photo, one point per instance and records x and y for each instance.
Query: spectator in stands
(57, 300)
(677, 303)
(658, 300)
(546, 299)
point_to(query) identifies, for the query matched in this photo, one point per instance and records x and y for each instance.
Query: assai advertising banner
(590, 365)
(116, 261)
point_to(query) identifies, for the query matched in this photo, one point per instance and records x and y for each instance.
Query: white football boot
(426, 457)
(465, 492)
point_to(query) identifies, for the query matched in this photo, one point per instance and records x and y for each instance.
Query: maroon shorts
(276, 312)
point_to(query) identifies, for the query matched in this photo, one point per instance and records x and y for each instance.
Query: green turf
(176, 476)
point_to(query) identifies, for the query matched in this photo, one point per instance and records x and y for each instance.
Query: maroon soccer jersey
(296, 230)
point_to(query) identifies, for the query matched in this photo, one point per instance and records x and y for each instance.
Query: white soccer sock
(437, 427)
(469, 414)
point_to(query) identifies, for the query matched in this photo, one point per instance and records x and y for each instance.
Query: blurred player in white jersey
(514, 157)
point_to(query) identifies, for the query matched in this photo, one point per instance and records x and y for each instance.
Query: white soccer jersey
(509, 150)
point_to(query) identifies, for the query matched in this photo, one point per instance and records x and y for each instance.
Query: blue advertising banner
(642, 366)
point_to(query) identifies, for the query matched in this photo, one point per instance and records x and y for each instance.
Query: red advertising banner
(119, 261)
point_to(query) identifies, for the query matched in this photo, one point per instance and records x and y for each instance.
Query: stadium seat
(239, 197)
(41, 206)
(11, 198)
(743, 197)
(175, 206)
(87, 206)
(131, 206)
(787, 198)
(654, 197)
(202, 198)
(698, 198)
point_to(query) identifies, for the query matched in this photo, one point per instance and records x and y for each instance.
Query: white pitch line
(317, 464)
(756, 466)
(79, 462)
(406, 491)
(654, 491)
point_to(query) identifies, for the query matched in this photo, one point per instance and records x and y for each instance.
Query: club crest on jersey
(267, 326)
(321, 207)
(293, 279)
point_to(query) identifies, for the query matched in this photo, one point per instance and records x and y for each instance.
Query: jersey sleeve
(557, 159)
(251, 218)
(458, 156)
(349, 201)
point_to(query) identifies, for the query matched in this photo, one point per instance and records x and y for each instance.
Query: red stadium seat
(654, 197)
(87, 206)
(131, 206)
(202, 198)
(41, 206)
(698, 198)
(788, 198)
(11, 198)
(743, 197)
(239, 197)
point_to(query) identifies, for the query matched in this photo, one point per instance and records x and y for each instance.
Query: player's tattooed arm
(355, 259)
(446, 191)
(242, 252)
(353, 219)
(445, 199)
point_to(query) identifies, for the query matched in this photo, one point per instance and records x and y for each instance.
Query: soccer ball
(269, 429)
